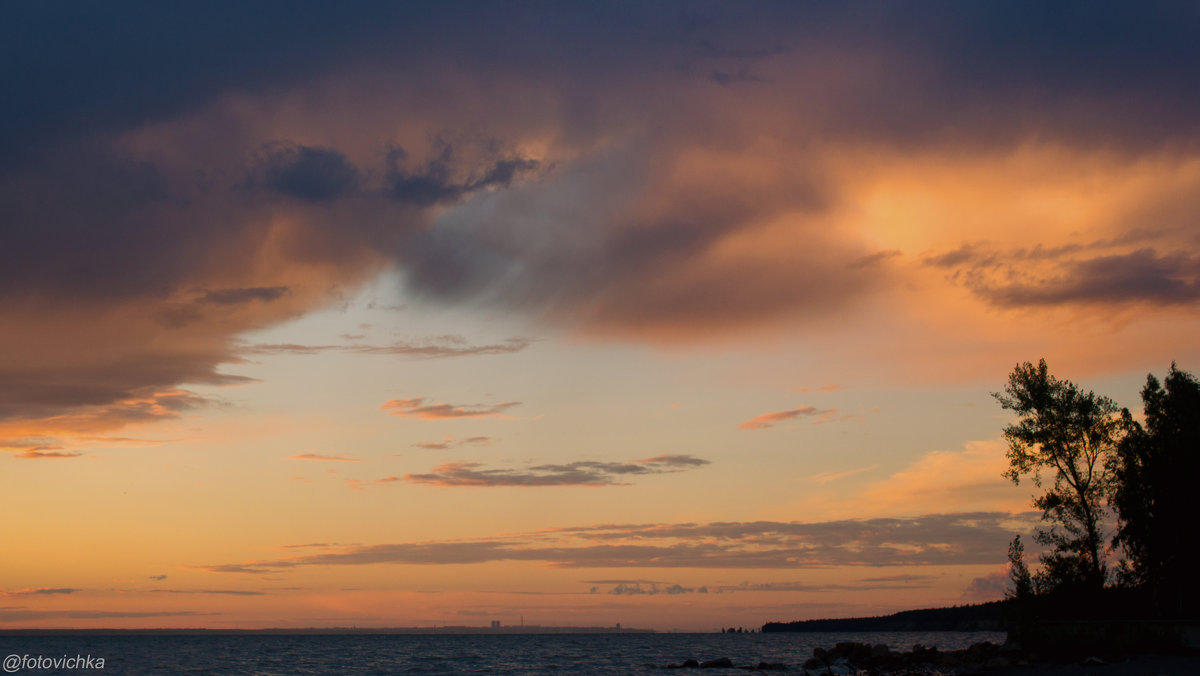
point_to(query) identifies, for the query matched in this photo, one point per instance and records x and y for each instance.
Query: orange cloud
(46, 437)
(321, 457)
(943, 481)
(769, 419)
(415, 407)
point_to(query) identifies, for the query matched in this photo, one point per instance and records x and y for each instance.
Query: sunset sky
(675, 314)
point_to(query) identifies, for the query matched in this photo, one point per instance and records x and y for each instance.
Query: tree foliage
(1069, 434)
(1018, 571)
(1155, 470)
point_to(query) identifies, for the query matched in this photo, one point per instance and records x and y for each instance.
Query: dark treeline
(978, 617)
(1120, 499)
(1119, 541)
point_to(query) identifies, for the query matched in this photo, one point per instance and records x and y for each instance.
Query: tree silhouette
(1018, 571)
(1071, 434)
(1156, 468)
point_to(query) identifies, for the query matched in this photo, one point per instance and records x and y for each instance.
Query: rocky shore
(862, 659)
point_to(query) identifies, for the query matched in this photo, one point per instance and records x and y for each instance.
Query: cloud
(44, 436)
(990, 587)
(260, 294)
(766, 420)
(321, 457)
(933, 539)
(156, 201)
(415, 407)
(582, 473)
(434, 183)
(34, 449)
(450, 442)
(682, 461)
(1141, 276)
(863, 584)
(637, 589)
(826, 477)
(216, 592)
(875, 259)
(942, 480)
(440, 347)
(22, 614)
(159, 578)
(43, 591)
(33, 454)
(308, 173)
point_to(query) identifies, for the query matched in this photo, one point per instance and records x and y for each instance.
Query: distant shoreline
(978, 617)
(329, 631)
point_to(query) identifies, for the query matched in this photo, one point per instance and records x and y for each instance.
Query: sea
(288, 655)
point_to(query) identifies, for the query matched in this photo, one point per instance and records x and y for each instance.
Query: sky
(679, 315)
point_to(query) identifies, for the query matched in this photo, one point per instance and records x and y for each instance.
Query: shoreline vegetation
(1115, 576)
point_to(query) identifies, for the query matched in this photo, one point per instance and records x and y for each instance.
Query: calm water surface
(449, 654)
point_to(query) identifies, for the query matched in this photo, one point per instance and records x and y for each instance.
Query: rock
(771, 666)
(717, 663)
(814, 663)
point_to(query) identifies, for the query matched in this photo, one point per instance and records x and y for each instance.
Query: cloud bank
(935, 539)
(195, 174)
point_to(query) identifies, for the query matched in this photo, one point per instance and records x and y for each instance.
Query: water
(259, 655)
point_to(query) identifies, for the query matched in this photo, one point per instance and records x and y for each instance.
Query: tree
(1155, 493)
(1018, 571)
(1070, 434)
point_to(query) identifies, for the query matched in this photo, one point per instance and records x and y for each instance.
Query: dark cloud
(311, 174)
(435, 183)
(1073, 274)
(935, 539)
(1142, 276)
(262, 294)
(636, 589)
(584, 163)
(582, 473)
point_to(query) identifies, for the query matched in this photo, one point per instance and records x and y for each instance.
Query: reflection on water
(455, 654)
